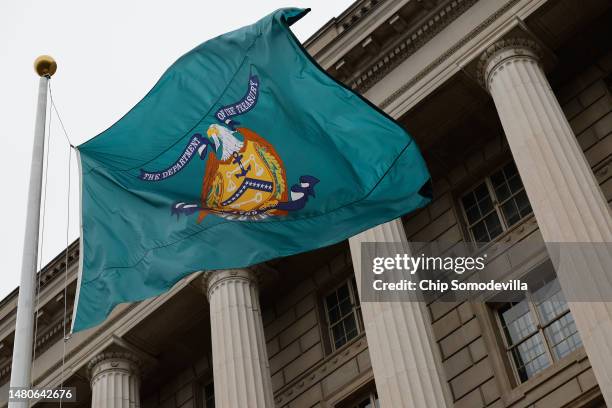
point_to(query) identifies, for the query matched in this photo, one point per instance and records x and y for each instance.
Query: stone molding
(502, 52)
(113, 361)
(115, 379)
(58, 265)
(359, 10)
(411, 43)
(52, 270)
(49, 335)
(602, 169)
(211, 280)
(321, 370)
(5, 371)
(449, 52)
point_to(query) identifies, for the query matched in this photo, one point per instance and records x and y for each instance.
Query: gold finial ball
(45, 65)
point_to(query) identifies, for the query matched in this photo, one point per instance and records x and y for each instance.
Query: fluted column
(401, 352)
(241, 369)
(566, 199)
(115, 380)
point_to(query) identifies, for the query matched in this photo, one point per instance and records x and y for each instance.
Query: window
(363, 399)
(371, 401)
(495, 204)
(343, 314)
(539, 329)
(208, 395)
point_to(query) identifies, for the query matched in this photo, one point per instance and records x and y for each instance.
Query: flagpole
(21, 365)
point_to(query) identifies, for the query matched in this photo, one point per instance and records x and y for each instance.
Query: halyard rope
(65, 337)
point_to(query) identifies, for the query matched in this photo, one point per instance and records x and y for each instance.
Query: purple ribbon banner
(198, 143)
(245, 104)
(195, 143)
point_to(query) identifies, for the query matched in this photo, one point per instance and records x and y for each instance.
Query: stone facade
(411, 58)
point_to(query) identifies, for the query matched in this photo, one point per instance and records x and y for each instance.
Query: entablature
(372, 37)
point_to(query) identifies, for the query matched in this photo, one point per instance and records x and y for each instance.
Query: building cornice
(321, 370)
(329, 54)
(346, 20)
(447, 54)
(52, 270)
(355, 12)
(410, 42)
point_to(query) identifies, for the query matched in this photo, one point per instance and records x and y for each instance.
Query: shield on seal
(247, 185)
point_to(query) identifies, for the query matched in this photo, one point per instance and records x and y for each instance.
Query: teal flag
(245, 150)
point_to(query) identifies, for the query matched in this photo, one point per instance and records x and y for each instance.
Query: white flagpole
(21, 366)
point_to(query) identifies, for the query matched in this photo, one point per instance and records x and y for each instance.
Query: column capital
(212, 279)
(502, 52)
(115, 379)
(113, 361)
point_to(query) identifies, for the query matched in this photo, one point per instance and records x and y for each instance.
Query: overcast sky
(109, 54)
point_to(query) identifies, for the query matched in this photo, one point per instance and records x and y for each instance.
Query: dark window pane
(502, 192)
(209, 396)
(515, 183)
(343, 293)
(331, 300)
(485, 205)
(338, 334)
(473, 214)
(350, 327)
(498, 179)
(493, 225)
(481, 192)
(480, 232)
(333, 314)
(511, 213)
(468, 200)
(365, 404)
(523, 204)
(340, 342)
(346, 306)
(510, 170)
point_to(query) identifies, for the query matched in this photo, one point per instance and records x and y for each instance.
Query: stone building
(511, 103)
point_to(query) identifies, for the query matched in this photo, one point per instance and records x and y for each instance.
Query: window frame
(497, 205)
(351, 284)
(540, 328)
(359, 396)
(203, 399)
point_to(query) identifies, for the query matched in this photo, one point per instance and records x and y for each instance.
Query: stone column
(565, 197)
(115, 380)
(241, 368)
(403, 360)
